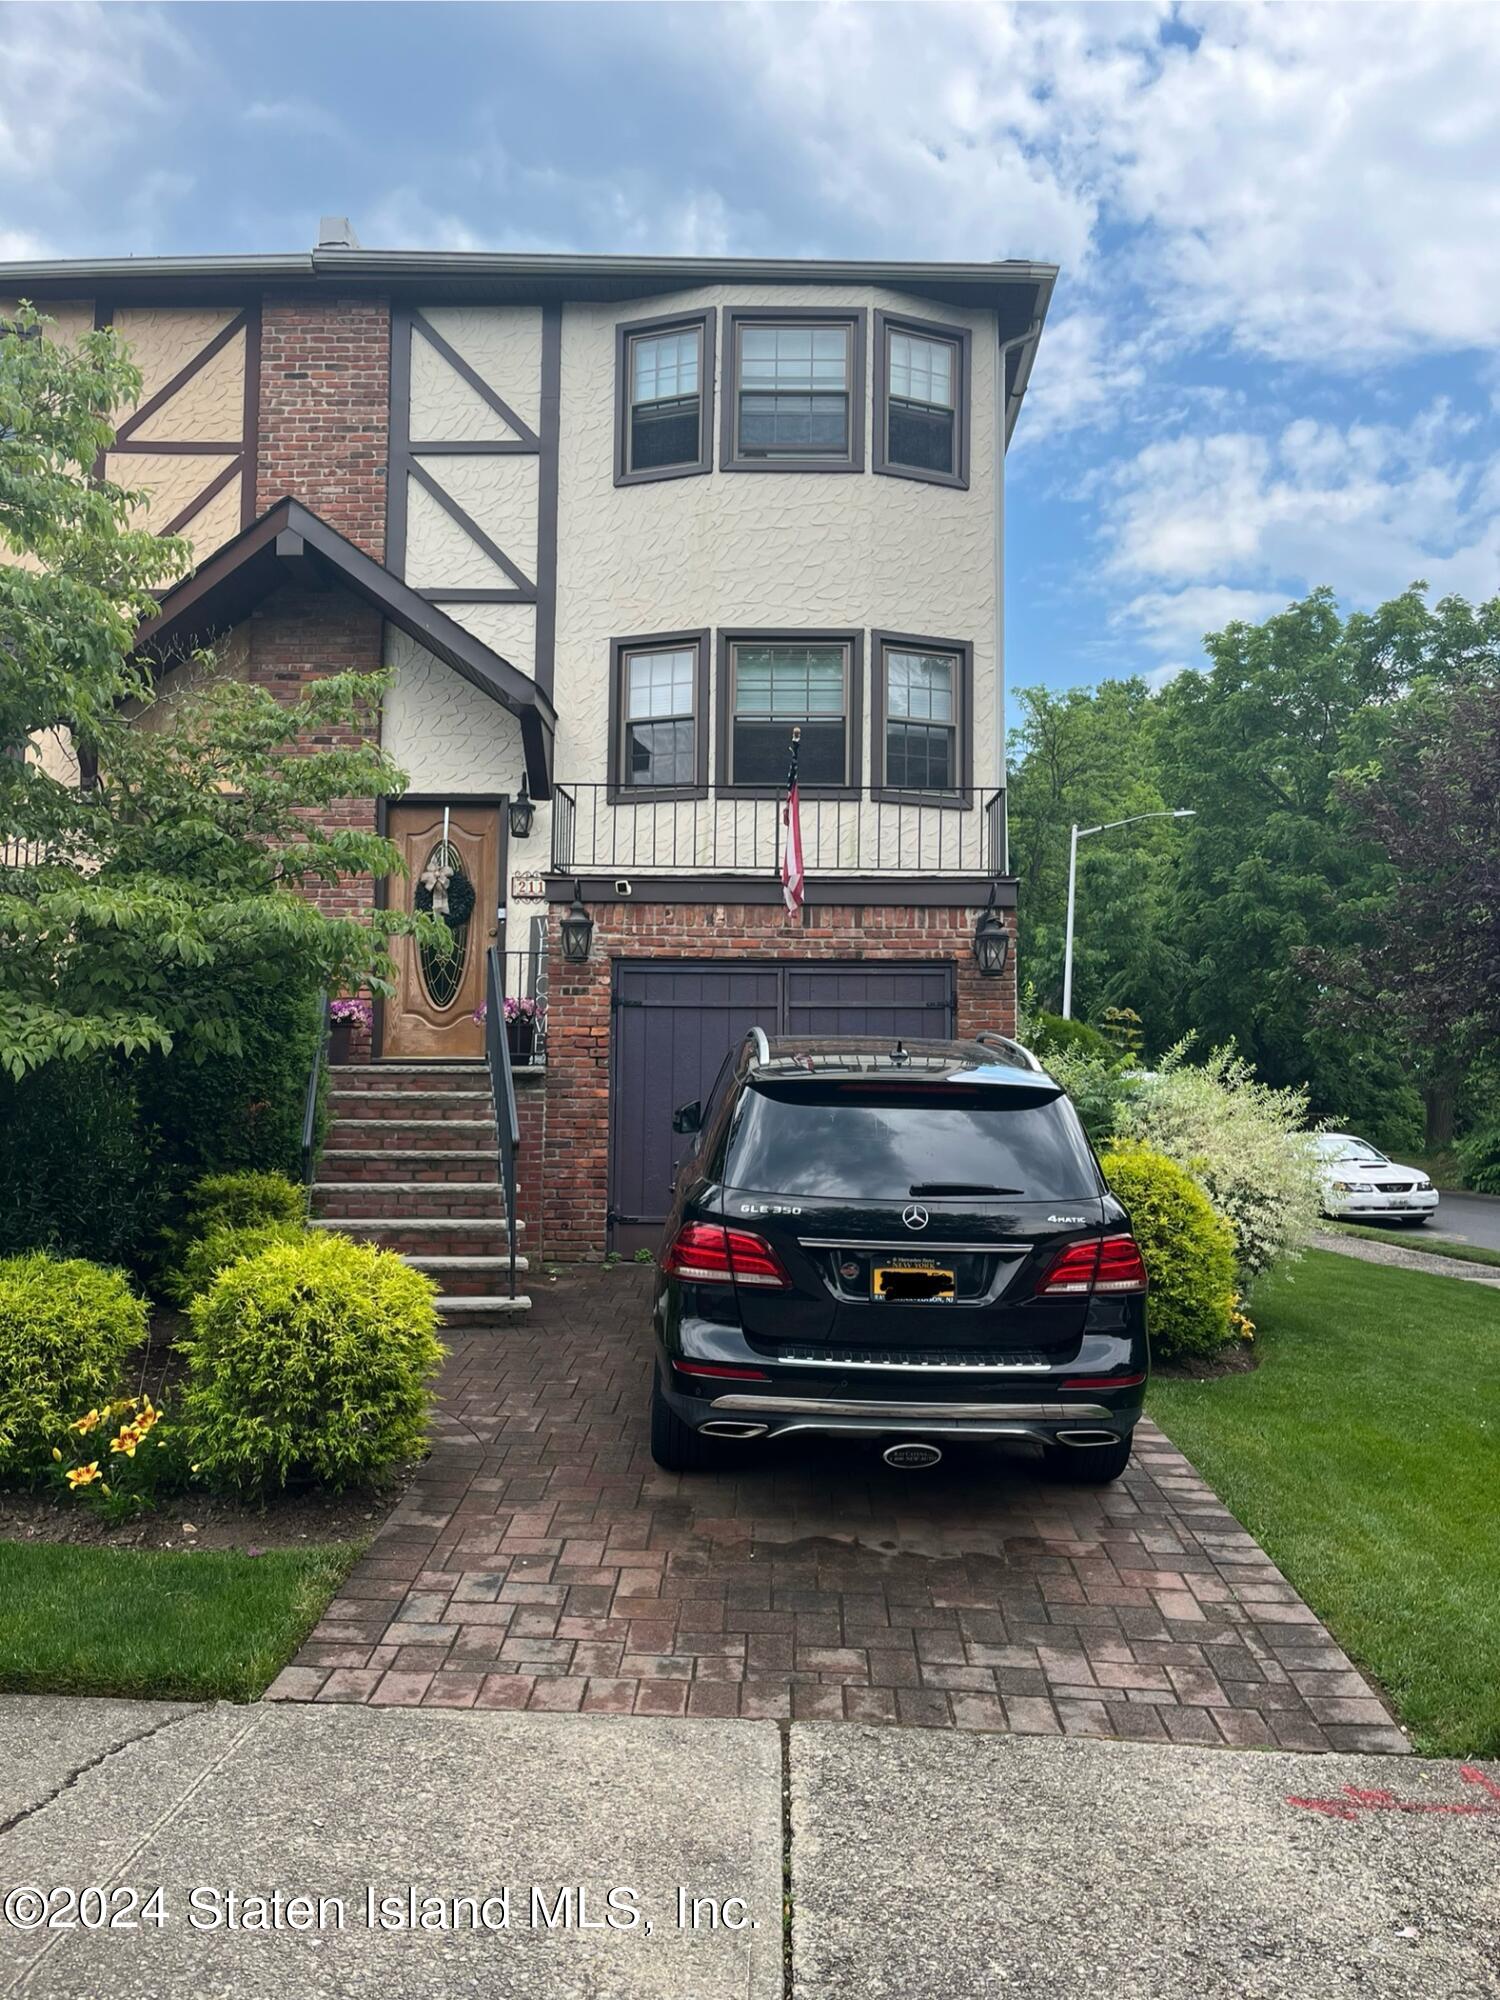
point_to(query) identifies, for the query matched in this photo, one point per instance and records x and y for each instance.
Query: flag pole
(793, 874)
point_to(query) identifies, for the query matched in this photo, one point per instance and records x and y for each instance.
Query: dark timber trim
(945, 892)
(547, 489)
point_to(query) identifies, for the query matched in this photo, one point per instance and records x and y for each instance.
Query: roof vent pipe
(335, 232)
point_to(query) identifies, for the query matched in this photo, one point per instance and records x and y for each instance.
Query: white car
(1360, 1183)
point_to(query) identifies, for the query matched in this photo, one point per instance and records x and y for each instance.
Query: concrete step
(373, 1105)
(385, 1164)
(431, 1236)
(420, 1200)
(475, 1311)
(427, 1135)
(472, 1079)
(468, 1277)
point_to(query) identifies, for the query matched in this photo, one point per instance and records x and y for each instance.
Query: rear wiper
(960, 1187)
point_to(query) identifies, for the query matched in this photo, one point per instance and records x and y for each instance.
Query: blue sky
(1273, 360)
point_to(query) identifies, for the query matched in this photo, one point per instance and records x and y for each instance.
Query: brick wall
(325, 411)
(575, 1142)
(300, 636)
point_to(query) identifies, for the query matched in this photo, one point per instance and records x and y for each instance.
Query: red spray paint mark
(1353, 1800)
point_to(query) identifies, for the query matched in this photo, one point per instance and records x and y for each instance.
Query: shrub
(309, 1362)
(77, 1172)
(1096, 1084)
(66, 1327)
(222, 1244)
(1479, 1159)
(1189, 1251)
(240, 1201)
(1241, 1142)
(1046, 1033)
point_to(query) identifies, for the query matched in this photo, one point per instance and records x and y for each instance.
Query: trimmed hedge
(1189, 1251)
(223, 1244)
(310, 1362)
(78, 1175)
(242, 1201)
(66, 1330)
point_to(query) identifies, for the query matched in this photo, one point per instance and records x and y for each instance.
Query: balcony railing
(856, 834)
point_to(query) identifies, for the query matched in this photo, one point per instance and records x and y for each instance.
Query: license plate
(913, 1283)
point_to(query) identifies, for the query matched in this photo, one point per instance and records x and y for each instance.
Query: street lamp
(1082, 833)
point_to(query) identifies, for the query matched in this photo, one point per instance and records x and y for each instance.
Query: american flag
(793, 876)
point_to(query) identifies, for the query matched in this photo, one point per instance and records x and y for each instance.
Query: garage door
(675, 1023)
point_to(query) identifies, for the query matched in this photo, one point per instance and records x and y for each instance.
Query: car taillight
(1108, 1264)
(705, 1253)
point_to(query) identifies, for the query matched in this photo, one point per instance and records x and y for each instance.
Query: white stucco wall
(446, 735)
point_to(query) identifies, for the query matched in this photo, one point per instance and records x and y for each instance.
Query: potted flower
(523, 1023)
(343, 1016)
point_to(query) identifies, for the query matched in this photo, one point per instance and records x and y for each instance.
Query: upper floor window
(659, 703)
(922, 400)
(796, 391)
(664, 398)
(922, 698)
(774, 684)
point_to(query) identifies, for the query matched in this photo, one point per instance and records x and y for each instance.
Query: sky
(1273, 357)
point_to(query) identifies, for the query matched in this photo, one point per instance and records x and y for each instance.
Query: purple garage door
(674, 1024)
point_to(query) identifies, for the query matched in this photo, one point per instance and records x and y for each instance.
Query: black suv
(912, 1241)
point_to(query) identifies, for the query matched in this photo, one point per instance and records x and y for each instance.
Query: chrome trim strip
(908, 1246)
(838, 1364)
(893, 1430)
(914, 1413)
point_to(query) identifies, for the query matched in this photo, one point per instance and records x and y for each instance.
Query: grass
(193, 1627)
(1462, 1253)
(1364, 1453)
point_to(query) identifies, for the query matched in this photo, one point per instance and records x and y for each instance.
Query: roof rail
(988, 1036)
(762, 1046)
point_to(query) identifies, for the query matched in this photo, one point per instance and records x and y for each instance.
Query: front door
(430, 1016)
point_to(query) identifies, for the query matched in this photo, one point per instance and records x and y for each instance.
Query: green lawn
(184, 1627)
(1364, 1453)
(1418, 1239)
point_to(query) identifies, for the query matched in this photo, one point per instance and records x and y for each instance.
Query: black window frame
(852, 320)
(961, 793)
(854, 672)
(620, 791)
(704, 323)
(961, 339)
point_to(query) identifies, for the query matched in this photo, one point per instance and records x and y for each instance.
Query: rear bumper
(748, 1416)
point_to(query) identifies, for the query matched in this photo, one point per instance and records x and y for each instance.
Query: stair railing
(310, 1103)
(503, 1088)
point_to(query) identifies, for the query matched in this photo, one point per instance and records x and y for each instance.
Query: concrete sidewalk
(923, 1863)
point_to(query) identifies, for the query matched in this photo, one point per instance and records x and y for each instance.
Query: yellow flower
(83, 1475)
(127, 1441)
(85, 1424)
(146, 1419)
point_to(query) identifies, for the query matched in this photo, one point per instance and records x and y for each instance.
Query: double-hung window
(779, 683)
(921, 715)
(664, 398)
(922, 400)
(660, 707)
(796, 390)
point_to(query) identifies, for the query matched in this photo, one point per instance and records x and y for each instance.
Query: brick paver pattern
(540, 1560)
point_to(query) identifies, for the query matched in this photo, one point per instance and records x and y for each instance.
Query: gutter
(1004, 425)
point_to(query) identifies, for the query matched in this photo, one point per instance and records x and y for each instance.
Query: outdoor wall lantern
(522, 813)
(991, 942)
(577, 929)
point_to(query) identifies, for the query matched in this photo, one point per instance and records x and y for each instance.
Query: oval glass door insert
(443, 974)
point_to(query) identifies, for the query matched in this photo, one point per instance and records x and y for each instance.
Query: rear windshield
(888, 1144)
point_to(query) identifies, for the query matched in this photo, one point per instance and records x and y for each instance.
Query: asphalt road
(1467, 1218)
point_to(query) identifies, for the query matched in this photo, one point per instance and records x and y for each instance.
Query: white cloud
(1085, 373)
(18, 244)
(76, 82)
(1233, 524)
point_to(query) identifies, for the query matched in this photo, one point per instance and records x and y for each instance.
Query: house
(616, 525)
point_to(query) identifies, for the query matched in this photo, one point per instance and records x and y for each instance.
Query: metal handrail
(310, 1103)
(503, 1089)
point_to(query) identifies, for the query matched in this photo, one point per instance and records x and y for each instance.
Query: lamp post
(1082, 833)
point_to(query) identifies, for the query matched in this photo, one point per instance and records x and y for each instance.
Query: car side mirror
(688, 1117)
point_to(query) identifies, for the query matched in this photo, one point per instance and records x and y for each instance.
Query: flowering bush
(1241, 1142)
(352, 1010)
(66, 1328)
(513, 1009)
(1189, 1251)
(120, 1455)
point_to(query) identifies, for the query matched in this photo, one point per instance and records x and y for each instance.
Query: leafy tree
(164, 884)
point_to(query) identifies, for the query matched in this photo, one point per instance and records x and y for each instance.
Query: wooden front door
(430, 1016)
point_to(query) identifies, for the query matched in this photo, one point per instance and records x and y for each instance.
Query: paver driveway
(542, 1561)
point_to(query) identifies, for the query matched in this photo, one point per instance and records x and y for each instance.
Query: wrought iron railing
(855, 833)
(503, 1087)
(310, 1102)
(524, 974)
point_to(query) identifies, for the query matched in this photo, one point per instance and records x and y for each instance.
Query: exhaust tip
(721, 1428)
(908, 1457)
(1083, 1439)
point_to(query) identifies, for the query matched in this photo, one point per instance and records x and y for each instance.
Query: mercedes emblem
(915, 1217)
